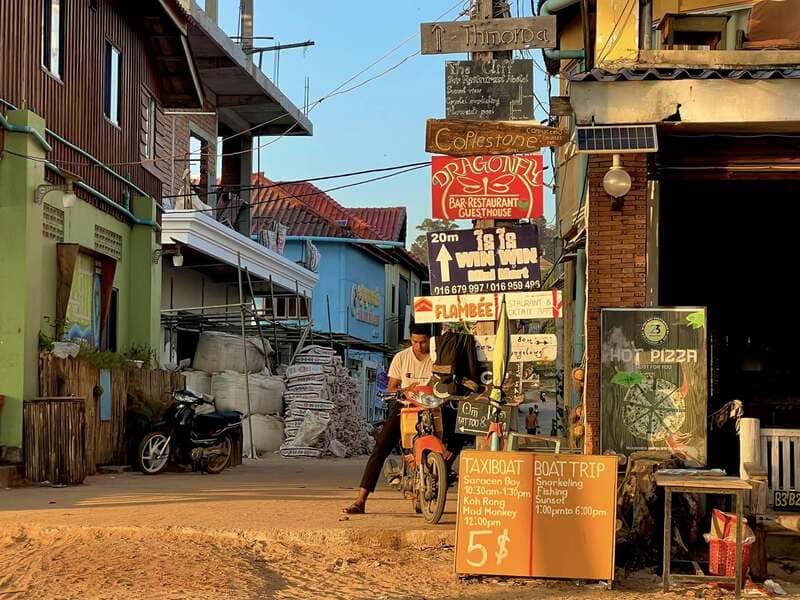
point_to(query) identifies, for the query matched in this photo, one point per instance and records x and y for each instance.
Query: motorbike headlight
(429, 401)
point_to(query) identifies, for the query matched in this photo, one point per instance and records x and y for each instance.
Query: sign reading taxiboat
(502, 259)
(486, 307)
(527, 514)
(487, 187)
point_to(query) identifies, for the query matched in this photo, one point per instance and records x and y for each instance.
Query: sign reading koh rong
(499, 90)
(487, 187)
(476, 261)
(486, 307)
(536, 515)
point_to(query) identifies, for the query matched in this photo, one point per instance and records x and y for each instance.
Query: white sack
(266, 393)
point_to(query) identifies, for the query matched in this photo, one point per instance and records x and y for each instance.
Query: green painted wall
(28, 272)
(20, 274)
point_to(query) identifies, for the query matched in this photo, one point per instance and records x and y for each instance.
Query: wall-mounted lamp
(177, 256)
(67, 187)
(617, 182)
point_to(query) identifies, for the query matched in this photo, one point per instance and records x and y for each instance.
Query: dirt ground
(269, 529)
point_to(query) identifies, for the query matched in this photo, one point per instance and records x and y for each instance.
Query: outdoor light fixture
(177, 258)
(68, 187)
(617, 182)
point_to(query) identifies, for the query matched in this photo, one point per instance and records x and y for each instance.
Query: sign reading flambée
(527, 514)
(486, 307)
(495, 90)
(490, 259)
(488, 35)
(487, 187)
(462, 137)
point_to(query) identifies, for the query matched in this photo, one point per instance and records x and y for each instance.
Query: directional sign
(495, 90)
(486, 307)
(462, 137)
(475, 416)
(488, 35)
(526, 347)
(502, 259)
(487, 187)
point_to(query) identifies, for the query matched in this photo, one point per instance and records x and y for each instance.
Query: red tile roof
(390, 222)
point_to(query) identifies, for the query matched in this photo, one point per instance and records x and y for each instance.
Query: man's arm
(394, 385)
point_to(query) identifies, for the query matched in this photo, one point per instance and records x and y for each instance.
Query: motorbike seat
(220, 418)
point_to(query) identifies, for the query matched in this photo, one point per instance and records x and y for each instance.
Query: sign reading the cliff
(487, 187)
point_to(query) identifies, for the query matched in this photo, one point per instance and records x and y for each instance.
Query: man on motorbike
(410, 367)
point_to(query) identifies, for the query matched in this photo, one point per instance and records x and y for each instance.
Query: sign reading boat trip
(476, 261)
(495, 90)
(527, 514)
(653, 381)
(488, 35)
(486, 307)
(487, 187)
(462, 137)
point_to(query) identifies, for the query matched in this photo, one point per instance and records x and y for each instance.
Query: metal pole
(274, 317)
(246, 369)
(330, 326)
(256, 317)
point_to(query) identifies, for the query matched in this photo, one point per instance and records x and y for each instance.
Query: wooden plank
(786, 457)
(701, 482)
(721, 59)
(775, 483)
(560, 106)
(461, 137)
(488, 35)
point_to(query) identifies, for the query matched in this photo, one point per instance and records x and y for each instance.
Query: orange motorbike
(424, 473)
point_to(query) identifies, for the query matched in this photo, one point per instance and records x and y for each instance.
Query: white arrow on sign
(437, 31)
(443, 258)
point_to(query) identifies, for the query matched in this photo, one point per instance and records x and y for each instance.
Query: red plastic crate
(722, 559)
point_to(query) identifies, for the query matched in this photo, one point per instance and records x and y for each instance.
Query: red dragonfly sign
(488, 187)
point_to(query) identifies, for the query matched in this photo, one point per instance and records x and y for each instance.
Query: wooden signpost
(488, 35)
(497, 90)
(536, 515)
(462, 137)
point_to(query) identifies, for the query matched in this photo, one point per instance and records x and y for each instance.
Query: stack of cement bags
(219, 370)
(322, 408)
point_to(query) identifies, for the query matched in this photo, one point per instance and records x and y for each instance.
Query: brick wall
(616, 254)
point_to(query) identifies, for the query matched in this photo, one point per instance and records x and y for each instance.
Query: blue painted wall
(343, 265)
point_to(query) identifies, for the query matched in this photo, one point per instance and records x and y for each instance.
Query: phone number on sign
(485, 288)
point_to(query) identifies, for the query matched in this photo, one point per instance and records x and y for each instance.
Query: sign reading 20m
(480, 261)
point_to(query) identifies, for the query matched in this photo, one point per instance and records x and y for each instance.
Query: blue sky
(378, 125)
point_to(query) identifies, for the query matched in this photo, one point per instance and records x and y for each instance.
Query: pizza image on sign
(487, 187)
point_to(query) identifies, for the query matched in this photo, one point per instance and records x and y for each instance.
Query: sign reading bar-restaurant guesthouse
(487, 187)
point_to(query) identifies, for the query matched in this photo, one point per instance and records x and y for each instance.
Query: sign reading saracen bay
(654, 381)
(487, 187)
(476, 261)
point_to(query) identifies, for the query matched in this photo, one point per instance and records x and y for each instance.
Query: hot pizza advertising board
(487, 187)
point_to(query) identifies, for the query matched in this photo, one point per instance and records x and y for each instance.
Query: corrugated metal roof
(389, 222)
(673, 74)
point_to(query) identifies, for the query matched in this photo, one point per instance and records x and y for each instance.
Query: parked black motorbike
(202, 441)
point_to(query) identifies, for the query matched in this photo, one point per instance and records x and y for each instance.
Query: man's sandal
(354, 509)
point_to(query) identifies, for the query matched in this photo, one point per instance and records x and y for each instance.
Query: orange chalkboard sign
(536, 515)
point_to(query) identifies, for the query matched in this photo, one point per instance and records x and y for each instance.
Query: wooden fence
(104, 437)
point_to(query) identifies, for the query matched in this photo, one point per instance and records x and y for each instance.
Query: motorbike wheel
(153, 453)
(436, 474)
(218, 456)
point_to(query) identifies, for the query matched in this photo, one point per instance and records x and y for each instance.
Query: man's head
(421, 339)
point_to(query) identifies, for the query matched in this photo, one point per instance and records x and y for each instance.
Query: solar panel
(616, 139)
